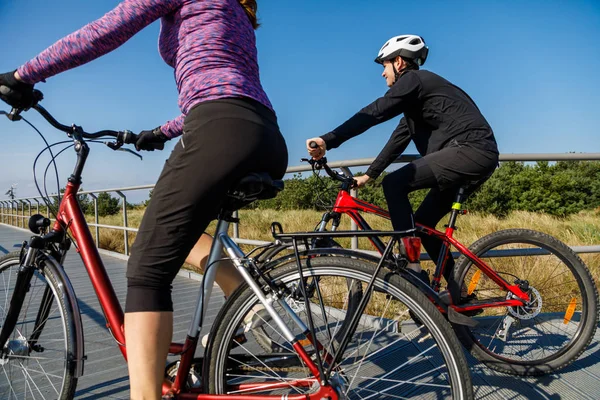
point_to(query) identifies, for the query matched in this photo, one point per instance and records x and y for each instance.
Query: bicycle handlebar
(122, 137)
(126, 137)
(322, 164)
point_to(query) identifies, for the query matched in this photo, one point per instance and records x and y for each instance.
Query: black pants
(223, 141)
(444, 171)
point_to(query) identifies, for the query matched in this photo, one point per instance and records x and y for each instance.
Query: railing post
(353, 226)
(95, 198)
(14, 212)
(22, 213)
(125, 232)
(236, 226)
(28, 206)
(37, 206)
(2, 208)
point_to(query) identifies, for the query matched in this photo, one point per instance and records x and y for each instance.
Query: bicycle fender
(73, 307)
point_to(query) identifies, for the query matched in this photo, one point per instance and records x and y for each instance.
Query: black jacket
(437, 114)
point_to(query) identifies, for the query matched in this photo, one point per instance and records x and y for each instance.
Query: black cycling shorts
(222, 141)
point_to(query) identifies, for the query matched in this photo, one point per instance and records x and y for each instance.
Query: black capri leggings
(222, 141)
(443, 171)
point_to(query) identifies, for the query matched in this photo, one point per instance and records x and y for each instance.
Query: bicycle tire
(39, 382)
(521, 358)
(224, 333)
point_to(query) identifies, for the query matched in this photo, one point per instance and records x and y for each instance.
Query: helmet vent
(415, 41)
(401, 38)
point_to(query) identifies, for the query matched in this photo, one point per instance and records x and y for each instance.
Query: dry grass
(577, 230)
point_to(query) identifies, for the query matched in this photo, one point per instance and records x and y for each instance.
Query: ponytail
(250, 8)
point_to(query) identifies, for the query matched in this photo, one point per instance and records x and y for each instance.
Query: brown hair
(250, 7)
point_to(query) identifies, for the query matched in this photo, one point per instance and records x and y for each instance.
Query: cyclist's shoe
(256, 317)
(424, 275)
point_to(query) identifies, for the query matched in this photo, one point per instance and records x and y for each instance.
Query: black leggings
(223, 141)
(444, 171)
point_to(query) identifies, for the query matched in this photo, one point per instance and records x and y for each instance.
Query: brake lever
(13, 115)
(132, 152)
(117, 145)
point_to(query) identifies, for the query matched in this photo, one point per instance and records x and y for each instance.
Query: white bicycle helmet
(408, 46)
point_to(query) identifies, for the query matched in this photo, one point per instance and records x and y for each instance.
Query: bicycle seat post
(456, 208)
(208, 280)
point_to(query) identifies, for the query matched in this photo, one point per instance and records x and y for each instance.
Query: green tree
(107, 205)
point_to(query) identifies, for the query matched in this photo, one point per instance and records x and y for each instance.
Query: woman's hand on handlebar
(16, 93)
(151, 140)
(316, 148)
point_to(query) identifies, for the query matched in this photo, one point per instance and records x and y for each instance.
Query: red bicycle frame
(351, 206)
(70, 217)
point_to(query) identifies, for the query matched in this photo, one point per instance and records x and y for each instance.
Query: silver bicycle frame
(208, 280)
(220, 242)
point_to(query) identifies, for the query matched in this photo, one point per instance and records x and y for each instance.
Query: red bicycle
(289, 332)
(535, 301)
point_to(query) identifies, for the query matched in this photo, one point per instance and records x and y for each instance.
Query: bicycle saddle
(252, 187)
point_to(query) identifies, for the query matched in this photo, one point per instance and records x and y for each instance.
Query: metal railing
(13, 217)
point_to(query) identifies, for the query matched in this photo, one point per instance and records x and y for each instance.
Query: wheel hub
(339, 384)
(529, 310)
(17, 347)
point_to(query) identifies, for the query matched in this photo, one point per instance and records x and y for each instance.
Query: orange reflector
(570, 310)
(304, 342)
(474, 282)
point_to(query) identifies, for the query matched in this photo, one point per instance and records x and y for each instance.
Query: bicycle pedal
(239, 339)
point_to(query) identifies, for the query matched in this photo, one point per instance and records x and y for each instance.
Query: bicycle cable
(45, 195)
(52, 154)
(56, 156)
(324, 191)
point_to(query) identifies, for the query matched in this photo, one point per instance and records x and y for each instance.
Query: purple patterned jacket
(210, 44)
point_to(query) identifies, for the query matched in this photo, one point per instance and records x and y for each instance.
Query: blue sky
(532, 67)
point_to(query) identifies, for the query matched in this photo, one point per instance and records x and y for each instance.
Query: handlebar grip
(313, 144)
(5, 90)
(129, 137)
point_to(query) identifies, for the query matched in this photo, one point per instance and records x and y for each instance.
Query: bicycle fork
(23, 346)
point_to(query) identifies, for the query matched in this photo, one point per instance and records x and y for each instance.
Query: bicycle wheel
(40, 369)
(549, 333)
(388, 355)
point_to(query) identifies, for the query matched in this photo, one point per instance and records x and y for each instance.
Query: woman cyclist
(455, 141)
(212, 47)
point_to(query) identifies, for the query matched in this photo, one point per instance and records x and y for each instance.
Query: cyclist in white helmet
(455, 141)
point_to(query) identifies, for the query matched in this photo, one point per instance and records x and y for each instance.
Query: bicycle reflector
(412, 246)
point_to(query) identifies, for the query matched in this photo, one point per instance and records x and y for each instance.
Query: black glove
(151, 140)
(16, 93)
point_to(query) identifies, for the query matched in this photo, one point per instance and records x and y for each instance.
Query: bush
(107, 205)
(559, 189)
